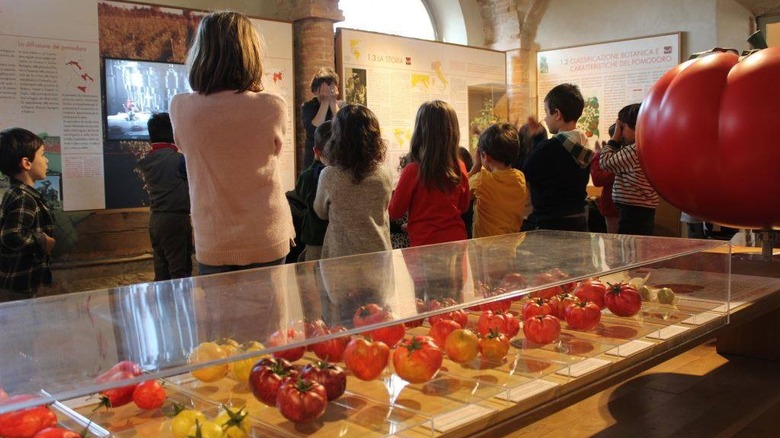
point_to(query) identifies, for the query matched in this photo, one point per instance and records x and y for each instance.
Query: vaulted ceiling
(761, 7)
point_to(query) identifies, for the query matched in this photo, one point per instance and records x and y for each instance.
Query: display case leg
(767, 238)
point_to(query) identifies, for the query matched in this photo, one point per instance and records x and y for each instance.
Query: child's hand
(534, 127)
(618, 131)
(49, 243)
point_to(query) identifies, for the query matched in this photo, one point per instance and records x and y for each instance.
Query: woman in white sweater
(231, 134)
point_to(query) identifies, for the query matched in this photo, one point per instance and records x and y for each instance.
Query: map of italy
(353, 45)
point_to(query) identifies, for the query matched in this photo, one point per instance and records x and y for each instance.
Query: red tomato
(623, 299)
(462, 346)
(544, 279)
(302, 400)
(330, 376)
(511, 325)
(417, 359)
(514, 281)
(560, 275)
(149, 395)
(115, 397)
(56, 432)
(331, 350)
(458, 316)
(441, 329)
(592, 290)
(536, 306)
(559, 303)
(374, 314)
(390, 335)
(420, 305)
(267, 376)
(494, 347)
(497, 305)
(491, 321)
(366, 359)
(542, 329)
(312, 329)
(289, 336)
(24, 423)
(724, 170)
(582, 315)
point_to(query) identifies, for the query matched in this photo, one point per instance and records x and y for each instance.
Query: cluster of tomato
(146, 395)
(34, 422)
(229, 423)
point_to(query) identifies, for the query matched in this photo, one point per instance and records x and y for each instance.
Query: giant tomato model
(705, 141)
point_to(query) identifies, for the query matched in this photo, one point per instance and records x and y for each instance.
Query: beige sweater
(232, 145)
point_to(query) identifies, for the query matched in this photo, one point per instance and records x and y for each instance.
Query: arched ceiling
(761, 7)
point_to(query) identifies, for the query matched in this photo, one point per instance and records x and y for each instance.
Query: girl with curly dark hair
(354, 190)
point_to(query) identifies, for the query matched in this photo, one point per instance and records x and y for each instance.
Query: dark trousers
(573, 223)
(639, 221)
(171, 235)
(212, 269)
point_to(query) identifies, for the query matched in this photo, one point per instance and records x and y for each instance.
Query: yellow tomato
(208, 429)
(240, 369)
(208, 351)
(234, 423)
(184, 421)
(230, 346)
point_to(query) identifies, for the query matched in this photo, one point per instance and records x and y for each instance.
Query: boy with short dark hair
(557, 170)
(313, 228)
(26, 224)
(170, 228)
(499, 191)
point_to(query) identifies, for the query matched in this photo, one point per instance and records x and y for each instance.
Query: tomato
(542, 329)
(582, 315)
(366, 359)
(149, 395)
(267, 376)
(497, 305)
(24, 423)
(417, 359)
(623, 299)
(184, 420)
(332, 377)
(462, 346)
(56, 432)
(234, 424)
(230, 346)
(544, 279)
(374, 314)
(331, 350)
(560, 275)
(441, 329)
(459, 316)
(700, 144)
(312, 328)
(511, 325)
(420, 305)
(240, 369)
(514, 281)
(491, 321)
(205, 352)
(494, 346)
(123, 366)
(3, 395)
(559, 303)
(536, 306)
(116, 397)
(205, 429)
(591, 290)
(302, 400)
(284, 337)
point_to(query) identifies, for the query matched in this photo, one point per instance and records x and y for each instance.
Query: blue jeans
(211, 269)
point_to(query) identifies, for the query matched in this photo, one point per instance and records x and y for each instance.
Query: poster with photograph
(394, 75)
(610, 76)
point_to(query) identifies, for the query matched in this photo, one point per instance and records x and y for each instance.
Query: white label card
(527, 390)
(454, 419)
(581, 368)
(630, 348)
(668, 332)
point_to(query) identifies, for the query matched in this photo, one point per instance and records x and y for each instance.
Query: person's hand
(600, 144)
(50, 241)
(325, 93)
(618, 131)
(534, 127)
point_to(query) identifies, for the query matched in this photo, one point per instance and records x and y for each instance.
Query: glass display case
(62, 349)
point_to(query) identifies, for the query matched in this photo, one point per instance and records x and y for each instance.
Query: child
(433, 187)
(354, 190)
(165, 176)
(232, 134)
(323, 107)
(468, 216)
(634, 197)
(26, 225)
(499, 191)
(604, 179)
(557, 170)
(313, 228)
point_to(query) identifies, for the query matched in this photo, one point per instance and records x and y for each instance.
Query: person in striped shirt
(634, 197)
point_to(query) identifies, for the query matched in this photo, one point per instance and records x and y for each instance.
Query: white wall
(734, 25)
(576, 22)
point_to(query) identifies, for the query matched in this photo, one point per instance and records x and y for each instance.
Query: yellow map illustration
(353, 45)
(436, 66)
(402, 136)
(421, 80)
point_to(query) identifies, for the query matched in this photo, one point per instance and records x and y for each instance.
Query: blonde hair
(434, 145)
(225, 55)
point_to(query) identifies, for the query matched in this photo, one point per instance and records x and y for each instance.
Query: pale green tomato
(208, 429)
(184, 421)
(234, 423)
(666, 296)
(647, 293)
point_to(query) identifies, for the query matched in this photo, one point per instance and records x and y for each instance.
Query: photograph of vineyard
(143, 33)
